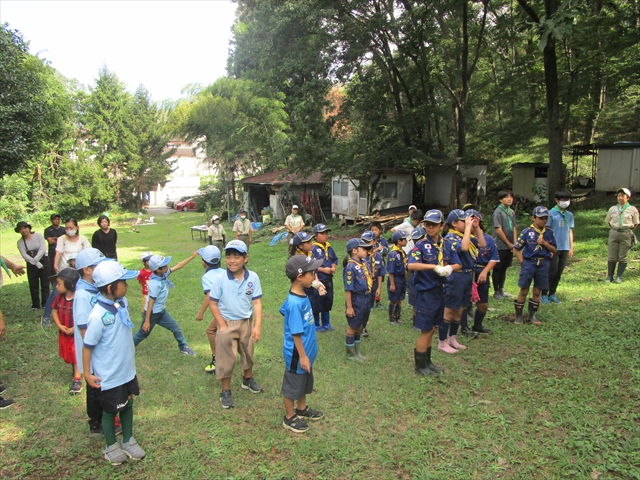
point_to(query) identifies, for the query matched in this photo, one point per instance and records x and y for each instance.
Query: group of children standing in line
(445, 271)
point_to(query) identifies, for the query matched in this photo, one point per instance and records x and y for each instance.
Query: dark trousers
(499, 272)
(556, 267)
(39, 282)
(94, 409)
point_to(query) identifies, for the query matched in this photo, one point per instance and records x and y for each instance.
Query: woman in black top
(106, 238)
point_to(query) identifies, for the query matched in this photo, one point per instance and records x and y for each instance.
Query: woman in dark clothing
(106, 238)
(33, 248)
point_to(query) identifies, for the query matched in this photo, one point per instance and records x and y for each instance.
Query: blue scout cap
(301, 237)
(299, 264)
(237, 245)
(242, 210)
(355, 243)
(210, 254)
(368, 236)
(456, 215)
(473, 213)
(433, 216)
(397, 236)
(540, 211)
(158, 261)
(417, 233)
(319, 228)
(89, 257)
(106, 273)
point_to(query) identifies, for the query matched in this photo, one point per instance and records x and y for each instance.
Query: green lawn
(557, 401)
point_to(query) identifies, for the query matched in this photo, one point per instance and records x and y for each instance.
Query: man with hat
(622, 219)
(294, 222)
(216, 233)
(242, 228)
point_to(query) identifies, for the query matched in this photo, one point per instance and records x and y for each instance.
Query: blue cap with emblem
(355, 243)
(89, 257)
(237, 245)
(368, 236)
(540, 211)
(106, 273)
(210, 254)
(433, 216)
(456, 215)
(473, 213)
(417, 233)
(301, 237)
(158, 261)
(319, 228)
(397, 236)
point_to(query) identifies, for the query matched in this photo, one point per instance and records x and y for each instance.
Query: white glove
(317, 284)
(447, 270)
(438, 270)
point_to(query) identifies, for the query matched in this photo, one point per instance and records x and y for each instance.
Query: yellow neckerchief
(372, 254)
(367, 274)
(403, 255)
(539, 232)
(299, 251)
(439, 248)
(473, 250)
(325, 248)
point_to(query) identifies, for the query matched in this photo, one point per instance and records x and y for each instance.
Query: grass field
(557, 401)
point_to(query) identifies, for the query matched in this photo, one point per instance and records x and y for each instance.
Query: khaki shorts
(236, 338)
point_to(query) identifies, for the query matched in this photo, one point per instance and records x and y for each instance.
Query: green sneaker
(211, 368)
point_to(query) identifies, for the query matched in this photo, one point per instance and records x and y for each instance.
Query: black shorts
(295, 385)
(506, 259)
(116, 399)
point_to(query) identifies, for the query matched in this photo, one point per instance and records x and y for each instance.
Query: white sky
(164, 45)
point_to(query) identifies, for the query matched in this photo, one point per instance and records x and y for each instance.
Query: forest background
(345, 87)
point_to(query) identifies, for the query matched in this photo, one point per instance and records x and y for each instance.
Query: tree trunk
(556, 174)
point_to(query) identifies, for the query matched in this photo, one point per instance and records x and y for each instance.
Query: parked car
(189, 204)
(172, 202)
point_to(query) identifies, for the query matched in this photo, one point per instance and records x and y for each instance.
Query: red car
(186, 205)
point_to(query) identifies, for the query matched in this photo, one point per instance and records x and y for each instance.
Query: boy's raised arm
(184, 262)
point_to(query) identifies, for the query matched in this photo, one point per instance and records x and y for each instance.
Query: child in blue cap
(396, 276)
(211, 262)
(358, 282)
(534, 248)
(376, 267)
(322, 250)
(415, 237)
(155, 312)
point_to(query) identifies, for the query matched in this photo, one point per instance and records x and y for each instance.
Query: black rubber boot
(392, 314)
(519, 308)
(611, 267)
(621, 269)
(352, 354)
(431, 365)
(421, 364)
(533, 308)
(398, 313)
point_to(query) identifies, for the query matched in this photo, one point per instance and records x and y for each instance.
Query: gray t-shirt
(501, 220)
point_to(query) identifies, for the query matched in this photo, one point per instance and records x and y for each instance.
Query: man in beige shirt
(242, 228)
(294, 222)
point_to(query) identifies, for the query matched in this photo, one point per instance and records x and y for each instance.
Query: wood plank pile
(387, 221)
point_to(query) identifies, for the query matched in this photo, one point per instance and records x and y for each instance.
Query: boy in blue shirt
(83, 302)
(211, 262)
(300, 347)
(396, 276)
(380, 247)
(358, 282)
(431, 260)
(322, 250)
(561, 222)
(155, 312)
(534, 248)
(236, 303)
(108, 358)
(376, 267)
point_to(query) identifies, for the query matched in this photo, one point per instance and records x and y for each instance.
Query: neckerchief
(508, 212)
(367, 274)
(325, 248)
(473, 250)
(4, 267)
(539, 232)
(84, 285)
(563, 213)
(621, 211)
(119, 308)
(440, 247)
(373, 263)
(403, 255)
(164, 278)
(218, 227)
(244, 225)
(299, 251)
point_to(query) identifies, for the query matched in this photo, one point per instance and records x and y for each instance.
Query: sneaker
(44, 321)
(34, 309)
(5, 402)
(364, 333)
(115, 455)
(506, 294)
(96, 432)
(498, 295)
(544, 299)
(618, 280)
(226, 400)
(309, 414)
(608, 279)
(212, 366)
(467, 332)
(132, 449)
(251, 385)
(320, 329)
(76, 386)
(294, 424)
(188, 351)
(379, 305)
(554, 299)
(2, 389)
(481, 330)
(328, 328)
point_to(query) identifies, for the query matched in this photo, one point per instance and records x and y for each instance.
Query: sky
(164, 45)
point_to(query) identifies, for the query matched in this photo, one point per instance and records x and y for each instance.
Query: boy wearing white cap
(108, 358)
(211, 263)
(155, 312)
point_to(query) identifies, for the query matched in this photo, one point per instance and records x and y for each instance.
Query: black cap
(299, 264)
(54, 215)
(68, 273)
(21, 225)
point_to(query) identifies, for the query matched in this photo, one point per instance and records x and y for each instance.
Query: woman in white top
(69, 243)
(33, 248)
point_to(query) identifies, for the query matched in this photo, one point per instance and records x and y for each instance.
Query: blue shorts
(429, 308)
(457, 290)
(372, 295)
(483, 288)
(536, 270)
(361, 308)
(401, 289)
(322, 303)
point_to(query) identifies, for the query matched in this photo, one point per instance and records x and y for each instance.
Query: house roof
(283, 177)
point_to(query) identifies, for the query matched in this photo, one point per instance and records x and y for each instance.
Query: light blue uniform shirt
(235, 299)
(159, 291)
(209, 278)
(113, 355)
(83, 302)
(561, 227)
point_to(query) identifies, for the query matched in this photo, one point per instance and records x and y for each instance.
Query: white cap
(294, 207)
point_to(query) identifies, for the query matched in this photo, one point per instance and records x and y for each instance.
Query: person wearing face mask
(216, 233)
(561, 222)
(623, 219)
(69, 243)
(242, 228)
